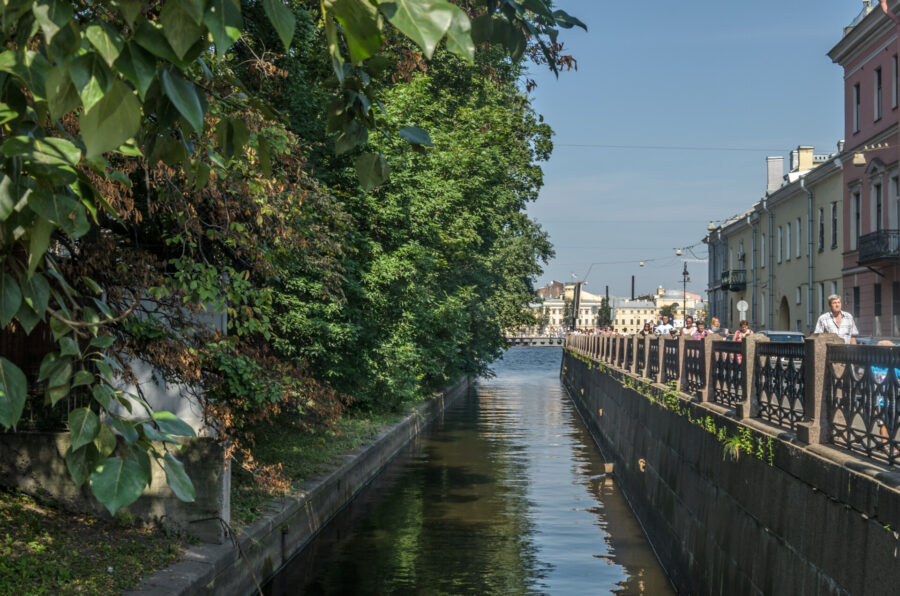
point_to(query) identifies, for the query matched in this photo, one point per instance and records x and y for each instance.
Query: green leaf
(459, 36)
(149, 36)
(12, 393)
(29, 66)
(138, 66)
(10, 298)
(353, 134)
(54, 394)
(124, 428)
(112, 121)
(482, 28)
(102, 395)
(282, 19)
(103, 342)
(91, 77)
(12, 192)
(567, 21)
(171, 424)
(372, 170)
(223, 19)
(184, 97)
(179, 27)
(82, 377)
(68, 347)
(27, 318)
(139, 455)
(81, 462)
(415, 135)
(83, 426)
(38, 243)
(153, 434)
(178, 480)
(62, 97)
(423, 21)
(36, 293)
(51, 15)
(49, 151)
(63, 211)
(118, 483)
(362, 30)
(231, 135)
(105, 441)
(130, 9)
(107, 41)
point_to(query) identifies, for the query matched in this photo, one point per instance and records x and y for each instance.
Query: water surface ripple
(505, 494)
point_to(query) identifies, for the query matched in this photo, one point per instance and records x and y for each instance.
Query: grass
(303, 454)
(47, 551)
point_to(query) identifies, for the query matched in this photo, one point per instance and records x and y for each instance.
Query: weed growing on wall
(762, 448)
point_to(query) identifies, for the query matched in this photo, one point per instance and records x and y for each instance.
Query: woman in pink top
(743, 332)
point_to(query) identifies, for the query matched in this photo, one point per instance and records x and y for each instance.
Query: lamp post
(685, 279)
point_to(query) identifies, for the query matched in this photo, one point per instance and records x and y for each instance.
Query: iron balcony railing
(734, 279)
(878, 247)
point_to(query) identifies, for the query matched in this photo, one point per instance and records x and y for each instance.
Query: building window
(834, 225)
(894, 81)
(876, 84)
(895, 308)
(799, 294)
(878, 204)
(762, 309)
(856, 101)
(762, 252)
(778, 246)
(893, 202)
(834, 287)
(855, 219)
(799, 239)
(876, 301)
(820, 303)
(821, 229)
(856, 302)
(787, 238)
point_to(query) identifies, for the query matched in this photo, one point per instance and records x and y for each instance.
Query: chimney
(774, 173)
(804, 157)
(841, 146)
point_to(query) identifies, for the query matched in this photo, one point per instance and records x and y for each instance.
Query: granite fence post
(706, 394)
(748, 407)
(816, 427)
(660, 357)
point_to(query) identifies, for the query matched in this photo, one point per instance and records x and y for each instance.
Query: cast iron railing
(780, 388)
(883, 245)
(694, 367)
(726, 372)
(670, 360)
(641, 355)
(653, 368)
(862, 386)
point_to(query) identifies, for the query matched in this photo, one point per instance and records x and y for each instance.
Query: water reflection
(505, 495)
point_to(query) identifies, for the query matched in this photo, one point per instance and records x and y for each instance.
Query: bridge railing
(822, 391)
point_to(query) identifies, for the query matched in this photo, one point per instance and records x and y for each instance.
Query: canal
(505, 494)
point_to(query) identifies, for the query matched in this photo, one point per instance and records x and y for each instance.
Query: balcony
(879, 247)
(734, 279)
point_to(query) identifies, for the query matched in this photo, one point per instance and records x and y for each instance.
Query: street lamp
(686, 278)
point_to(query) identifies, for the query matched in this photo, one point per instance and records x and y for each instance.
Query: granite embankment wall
(788, 518)
(289, 523)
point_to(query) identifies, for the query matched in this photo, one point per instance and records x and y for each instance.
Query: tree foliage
(170, 164)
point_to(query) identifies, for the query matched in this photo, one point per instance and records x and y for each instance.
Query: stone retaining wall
(291, 522)
(803, 520)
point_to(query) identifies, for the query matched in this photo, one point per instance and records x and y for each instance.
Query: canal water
(505, 494)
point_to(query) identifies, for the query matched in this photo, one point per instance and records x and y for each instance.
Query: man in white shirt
(664, 328)
(837, 321)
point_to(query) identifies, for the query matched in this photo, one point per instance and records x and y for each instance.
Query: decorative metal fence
(629, 352)
(653, 368)
(694, 366)
(780, 388)
(670, 360)
(641, 355)
(862, 385)
(726, 372)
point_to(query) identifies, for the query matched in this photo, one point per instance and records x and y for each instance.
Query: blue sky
(753, 76)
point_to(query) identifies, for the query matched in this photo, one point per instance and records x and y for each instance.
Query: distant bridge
(547, 342)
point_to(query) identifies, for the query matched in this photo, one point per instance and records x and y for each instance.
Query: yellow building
(782, 257)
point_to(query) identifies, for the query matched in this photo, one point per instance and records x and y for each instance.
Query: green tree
(604, 314)
(671, 310)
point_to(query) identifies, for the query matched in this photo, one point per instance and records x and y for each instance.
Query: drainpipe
(809, 253)
(755, 262)
(771, 257)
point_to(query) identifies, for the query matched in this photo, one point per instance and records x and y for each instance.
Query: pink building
(868, 53)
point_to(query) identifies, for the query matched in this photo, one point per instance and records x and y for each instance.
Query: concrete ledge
(291, 522)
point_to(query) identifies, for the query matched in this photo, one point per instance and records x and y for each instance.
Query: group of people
(693, 330)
